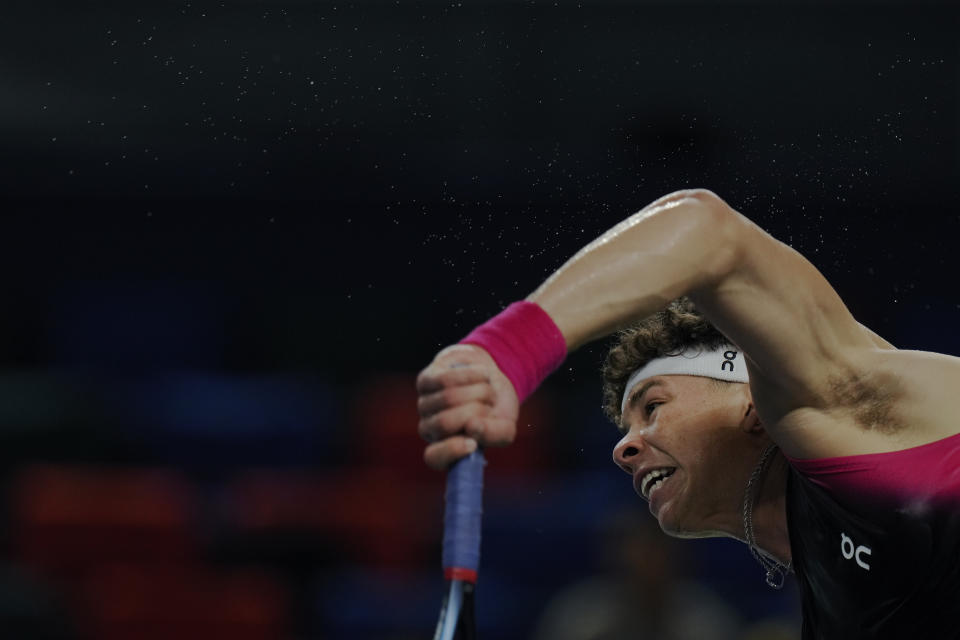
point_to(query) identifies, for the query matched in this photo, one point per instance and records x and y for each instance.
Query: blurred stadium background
(232, 232)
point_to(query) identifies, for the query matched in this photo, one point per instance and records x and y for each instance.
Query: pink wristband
(524, 342)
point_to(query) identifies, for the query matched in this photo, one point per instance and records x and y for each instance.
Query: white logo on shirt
(851, 551)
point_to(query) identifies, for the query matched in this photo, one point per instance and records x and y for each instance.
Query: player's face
(683, 443)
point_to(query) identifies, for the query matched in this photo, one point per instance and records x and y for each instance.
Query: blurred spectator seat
(369, 515)
(157, 602)
(67, 520)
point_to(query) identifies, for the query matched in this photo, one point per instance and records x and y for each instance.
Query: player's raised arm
(763, 295)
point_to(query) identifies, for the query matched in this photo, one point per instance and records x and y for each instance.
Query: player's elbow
(716, 214)
(704, 197)
(709, 210)
(706, 227)
(695, 193)
(720, 231)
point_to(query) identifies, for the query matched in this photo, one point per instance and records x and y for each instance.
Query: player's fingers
(449, 397)
(436, 377)
(441, 455)
(491, 431)
(450, 421)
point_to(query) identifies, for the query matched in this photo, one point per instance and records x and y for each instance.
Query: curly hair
(667, 332)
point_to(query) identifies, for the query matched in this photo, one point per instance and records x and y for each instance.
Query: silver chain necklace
(776, 572)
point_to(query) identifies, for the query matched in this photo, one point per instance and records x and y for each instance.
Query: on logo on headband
(728, 359)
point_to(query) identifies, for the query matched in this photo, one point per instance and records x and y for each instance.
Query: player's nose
(626, 453)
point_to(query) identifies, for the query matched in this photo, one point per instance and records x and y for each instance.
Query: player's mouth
(653, 480)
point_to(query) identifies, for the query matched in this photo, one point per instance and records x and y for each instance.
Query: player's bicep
(776, 306)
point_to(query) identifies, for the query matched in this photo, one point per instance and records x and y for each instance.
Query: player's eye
(650, 407)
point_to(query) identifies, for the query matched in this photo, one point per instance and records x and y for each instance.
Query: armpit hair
(870, 397)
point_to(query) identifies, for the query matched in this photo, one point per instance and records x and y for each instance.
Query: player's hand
(464, 400)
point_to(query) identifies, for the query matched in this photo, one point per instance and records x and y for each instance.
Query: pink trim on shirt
(929, 472)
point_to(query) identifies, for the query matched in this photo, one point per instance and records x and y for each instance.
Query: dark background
(232, 232)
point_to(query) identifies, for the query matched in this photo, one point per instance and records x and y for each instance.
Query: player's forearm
(676, 246)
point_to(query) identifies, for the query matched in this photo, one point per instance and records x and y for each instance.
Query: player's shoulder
(886, 400)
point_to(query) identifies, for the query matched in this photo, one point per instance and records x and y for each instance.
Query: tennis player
(752, 405)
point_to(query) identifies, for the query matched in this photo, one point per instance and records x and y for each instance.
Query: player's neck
(770, 512)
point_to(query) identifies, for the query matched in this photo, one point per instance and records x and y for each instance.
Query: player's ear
(751, 420)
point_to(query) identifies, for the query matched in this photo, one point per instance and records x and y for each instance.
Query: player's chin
(679, 530)
(668, 525)
(675, 522)
(663, 508)
(663, 515)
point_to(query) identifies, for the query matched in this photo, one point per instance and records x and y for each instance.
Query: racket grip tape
(461, 519)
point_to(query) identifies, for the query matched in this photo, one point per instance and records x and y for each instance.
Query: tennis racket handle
(461, 519)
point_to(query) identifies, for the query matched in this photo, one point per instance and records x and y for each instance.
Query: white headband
(725, 363)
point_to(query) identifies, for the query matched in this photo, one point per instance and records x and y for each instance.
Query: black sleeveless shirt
(874, 566)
